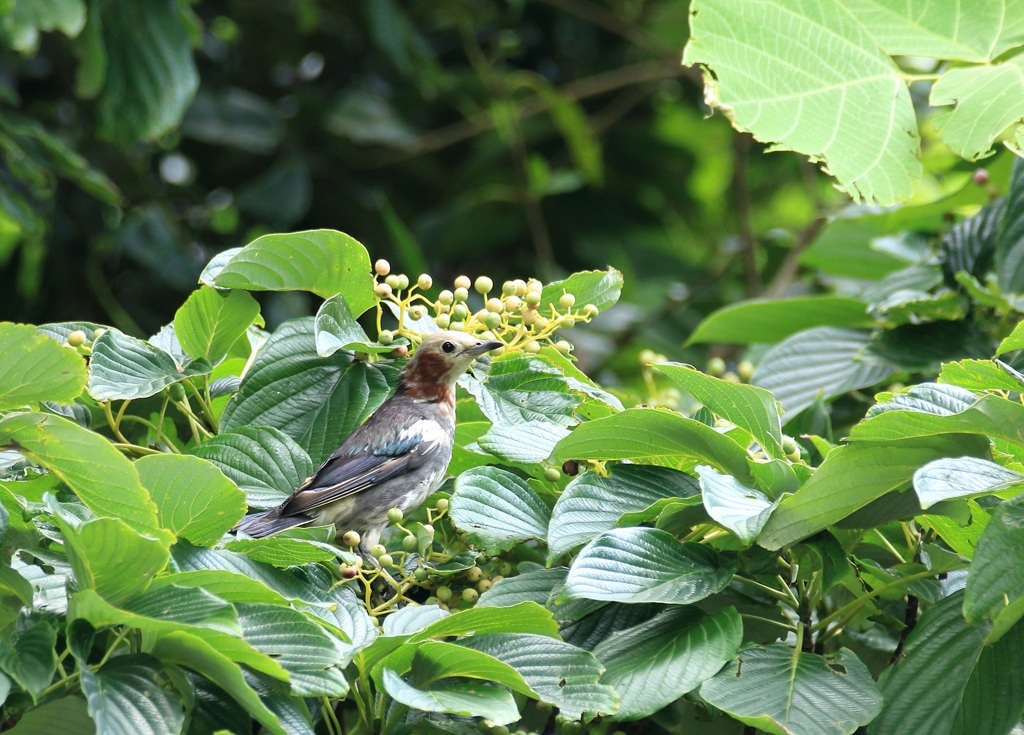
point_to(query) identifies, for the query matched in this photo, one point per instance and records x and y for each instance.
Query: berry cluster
(517, 316)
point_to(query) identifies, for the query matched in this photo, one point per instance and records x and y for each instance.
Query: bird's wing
(343, 475)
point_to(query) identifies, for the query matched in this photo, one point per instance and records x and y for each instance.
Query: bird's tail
(263, 524)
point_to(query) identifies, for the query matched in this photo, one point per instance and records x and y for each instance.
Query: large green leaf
(982, 375)
(837, 98)
(194, 499)
(948, 682)
(497, 509)
(29, 659)
(560, 673)
(188, 558)
(741, 509)
(1013, 341)
(125, 698)
(34, 368)
(324, 262)
(962, 477)
(655, 436)
(523, 388)
(159, 611)
(645, 565)
(434, 661)
(123, 367)
(851, 477)
(267, 464)
(749, 322)
(65, 716)
(783, 691)
(281, 551)
(753, 409)
(1010, 238)
(24, 19)
(995, 585)
(656, 662)
(466, 699)
(211, 321)
(99, 474)
(526, 443)
(146, 54)
(315, 401)
(537, 585)
(821, 361)
(337, 329)
(992, 416)
(592, 503)
(600, 288)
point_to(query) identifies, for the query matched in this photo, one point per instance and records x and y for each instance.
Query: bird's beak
(481, 347)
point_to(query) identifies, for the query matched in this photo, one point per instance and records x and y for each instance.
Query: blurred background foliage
(497, 137)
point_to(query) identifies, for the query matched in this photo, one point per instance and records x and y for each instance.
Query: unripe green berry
(77, 338)
(442, 504)
(483, 585)
(463, 282)
(646, 356)
(544, 707)
(513, 303)
(386, 337)
(564, 347)
(532, 298)
(403, 281)
(382, 290)
(457, 326)
(395, 515)
(442, 308)
(382, 267)
(443, 321)
(386, 560)
(533, 347)
(534, 284)
(483, 284)
(420, 575)
(731, 377)
(470, 595)
(492, 320)
(461, 294)
(551, 474)
(568, 322)
(505, 569)
(716, 366)
(431, 601)
(745, 370)
(459, 312)
(520, 285)
(567, 301)
(176, 392)
(496, 578)
(495, 305)
(508, 288)
(474, 574)
(377, 551)
(446, 297)
(541, 323)
(530, 316)
(394, 282)
(409, 543)
(424, 281)
(499, 730)
(444, 593)
(418, 311)
(429, 528)
(590, 311)
(350, 538)
(98, 332)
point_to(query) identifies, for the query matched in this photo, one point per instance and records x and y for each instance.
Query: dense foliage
(818, 533)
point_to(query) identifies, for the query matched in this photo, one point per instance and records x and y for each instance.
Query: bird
(397, 458)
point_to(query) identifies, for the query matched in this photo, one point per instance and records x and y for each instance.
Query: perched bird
(395, 459)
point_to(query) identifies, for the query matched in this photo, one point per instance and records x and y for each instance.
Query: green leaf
(24, 19)
(1010, 240)
(962, 477)
(600, 288)
(982, 375)
(825, 360)
(222, 583)
(974, 123)
(65, 716)
(324, 262)
(196, 654)
(34, 368)
(466, 699)
(840, 100)
(531, 442)
(995, 584)
(267, 464)
(152, 77)
(645, 565)
(537, 586)
(949, 682)
(523, 389)
(194, 499)
(336, 329)
(101, 477)
(656, 662)
(123, 367)
(527, 617)
(434, 661)
(497, 509)
(592, 504)
(992, 416)
(741, 509)
(110, 557)
(658, 437)
(29, 658)
(159, 611)
(772, 321)
(210, 321)
(281, 551)
(853, 476)
(125, 698)
(752, 409)
(317, 402)
(188, 558)
(785, 692)
(562, 674)
(1014, 341)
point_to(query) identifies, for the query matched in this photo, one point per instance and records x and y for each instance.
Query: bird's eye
(447, 347)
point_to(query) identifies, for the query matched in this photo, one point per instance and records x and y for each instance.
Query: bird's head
(439, 361)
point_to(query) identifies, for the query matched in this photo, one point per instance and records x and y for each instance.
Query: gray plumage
(394, 460)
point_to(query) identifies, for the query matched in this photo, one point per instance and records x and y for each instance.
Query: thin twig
(791, 265)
